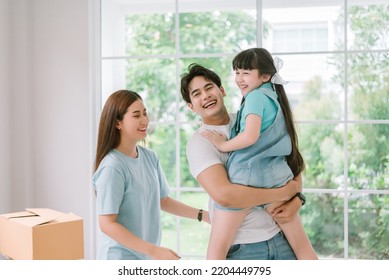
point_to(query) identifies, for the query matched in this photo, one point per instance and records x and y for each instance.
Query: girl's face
(135, 121)
(248, 80)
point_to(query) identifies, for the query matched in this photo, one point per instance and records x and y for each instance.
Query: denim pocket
(234, 249)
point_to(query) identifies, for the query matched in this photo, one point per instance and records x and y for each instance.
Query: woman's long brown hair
(114, 109)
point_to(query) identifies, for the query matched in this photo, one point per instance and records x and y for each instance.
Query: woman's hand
(162, 253)
(206, 217)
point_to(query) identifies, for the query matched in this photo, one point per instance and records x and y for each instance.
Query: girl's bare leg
(297, 237)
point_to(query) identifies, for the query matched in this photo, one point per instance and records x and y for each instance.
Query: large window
(336, 57)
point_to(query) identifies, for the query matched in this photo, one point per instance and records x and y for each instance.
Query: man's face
(206, 98)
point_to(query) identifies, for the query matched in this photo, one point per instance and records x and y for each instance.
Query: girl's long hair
(114, 109)
(261, 59)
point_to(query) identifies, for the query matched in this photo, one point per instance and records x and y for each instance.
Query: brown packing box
(41, 234)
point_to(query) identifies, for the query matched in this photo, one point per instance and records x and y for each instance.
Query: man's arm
(215, 181)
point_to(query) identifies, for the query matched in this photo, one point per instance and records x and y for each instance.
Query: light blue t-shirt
(131, 188)
(258, 103)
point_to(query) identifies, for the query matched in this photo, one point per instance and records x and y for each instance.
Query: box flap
(34, 216)
(18, 215)
(45, 212)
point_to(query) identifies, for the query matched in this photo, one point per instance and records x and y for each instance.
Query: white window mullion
(259, 23)
(177, 123)
(346, 196)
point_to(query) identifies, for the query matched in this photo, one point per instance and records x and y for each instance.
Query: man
(201, 88)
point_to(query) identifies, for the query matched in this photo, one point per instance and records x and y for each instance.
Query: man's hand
(285, 212)
(293, 187)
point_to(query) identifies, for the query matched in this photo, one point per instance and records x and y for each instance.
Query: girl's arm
(243, 140)
(177, 208)
(215, 181)
(110, 226)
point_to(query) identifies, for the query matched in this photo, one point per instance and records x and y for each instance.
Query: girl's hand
(216, 138)
(162, 253)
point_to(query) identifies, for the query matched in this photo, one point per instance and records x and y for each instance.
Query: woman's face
(135, 121)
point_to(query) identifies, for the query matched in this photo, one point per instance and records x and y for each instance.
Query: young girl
(263, 145)
(130, 185)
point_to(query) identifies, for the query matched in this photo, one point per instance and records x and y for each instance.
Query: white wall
(21, 110)
(5, 177)
(47, 87)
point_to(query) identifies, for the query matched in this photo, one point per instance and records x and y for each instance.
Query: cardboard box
(41, 234)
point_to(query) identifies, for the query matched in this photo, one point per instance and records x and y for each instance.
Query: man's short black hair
(195, 70)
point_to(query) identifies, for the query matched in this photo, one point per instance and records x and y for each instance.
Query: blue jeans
(276, 248)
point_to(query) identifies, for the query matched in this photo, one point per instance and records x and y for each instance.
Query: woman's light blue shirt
(131, 188)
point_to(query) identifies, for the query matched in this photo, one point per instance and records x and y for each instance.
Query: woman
(130, 185)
